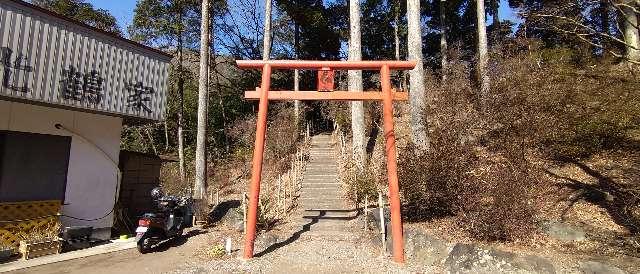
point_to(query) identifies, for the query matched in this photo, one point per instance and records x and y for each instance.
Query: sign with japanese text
(50, 60)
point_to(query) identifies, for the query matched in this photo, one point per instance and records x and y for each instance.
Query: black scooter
(173, 216)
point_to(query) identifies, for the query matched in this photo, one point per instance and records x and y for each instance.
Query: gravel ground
(309, 256)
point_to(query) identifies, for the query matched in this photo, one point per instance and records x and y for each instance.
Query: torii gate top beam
(316, 65)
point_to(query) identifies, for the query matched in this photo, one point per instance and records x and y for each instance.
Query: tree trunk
(296, 103)
(631, 36)
(200, 187)
(355, 84)
(444, 46)
(417, 99)
(181, 99)
(495, 14)
(396, 35)
(296, 74)
(396, 27)
(266, 39)
(483, 55)
(603, 10)
(166, 135)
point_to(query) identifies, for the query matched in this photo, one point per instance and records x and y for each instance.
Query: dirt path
(166, 259)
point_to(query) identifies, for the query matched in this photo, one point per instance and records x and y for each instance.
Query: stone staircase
(324, 211)
(320, 186)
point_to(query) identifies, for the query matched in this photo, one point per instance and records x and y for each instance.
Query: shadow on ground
(177, 241)
(307, 227)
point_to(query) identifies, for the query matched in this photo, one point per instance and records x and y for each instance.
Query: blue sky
(123, 11)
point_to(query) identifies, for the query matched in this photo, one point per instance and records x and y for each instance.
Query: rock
(592, 267)
(563, 232)
(239, 226)
(424, 249)
(419, 246)
(467, 258)
(228, 213)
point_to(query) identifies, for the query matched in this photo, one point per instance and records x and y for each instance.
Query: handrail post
(256, 170)
(392, 167)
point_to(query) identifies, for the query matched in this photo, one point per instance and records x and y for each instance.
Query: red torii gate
(387, 96)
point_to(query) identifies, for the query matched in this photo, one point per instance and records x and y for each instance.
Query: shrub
(473, 171)
(499, 206)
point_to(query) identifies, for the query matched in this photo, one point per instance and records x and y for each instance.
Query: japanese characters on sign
(60, 63)
(81, 87)
(13, 68)
(139, 96)
(326, 80)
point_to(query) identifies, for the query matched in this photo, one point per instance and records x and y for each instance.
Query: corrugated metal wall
(49, 60)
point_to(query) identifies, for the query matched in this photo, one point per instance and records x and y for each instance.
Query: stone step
(322, 194)
(330, 236)
(326, 200)
(329, 224)
(323, 203)
(319, 165)
(306, 197)
(326, 162)
(327, 170)
(322, 206)
(320, 182)
(335, 191)
(331, 165)
(320, 174)
(317, 184)
(339, 213)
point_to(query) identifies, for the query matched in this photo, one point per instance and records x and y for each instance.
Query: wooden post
(383, 229)
(217, 196)
(278, 203)
(366, 210)
(290, 183)
(244, 210)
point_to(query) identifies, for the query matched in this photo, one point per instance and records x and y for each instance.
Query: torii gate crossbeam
(387, 96)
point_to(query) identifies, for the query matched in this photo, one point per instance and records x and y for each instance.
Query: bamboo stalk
(217, 196)
(290, 184)
(244, 210)
(279, 189)
(366, 210)
(383, 231)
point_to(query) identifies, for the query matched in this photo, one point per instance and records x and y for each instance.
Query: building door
(33, 167)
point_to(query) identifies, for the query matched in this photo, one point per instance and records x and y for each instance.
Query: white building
(64, 90)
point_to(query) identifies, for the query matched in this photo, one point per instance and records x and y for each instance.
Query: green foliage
(82, 11)
(216, 251)
(319, 27)
(163, 23)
